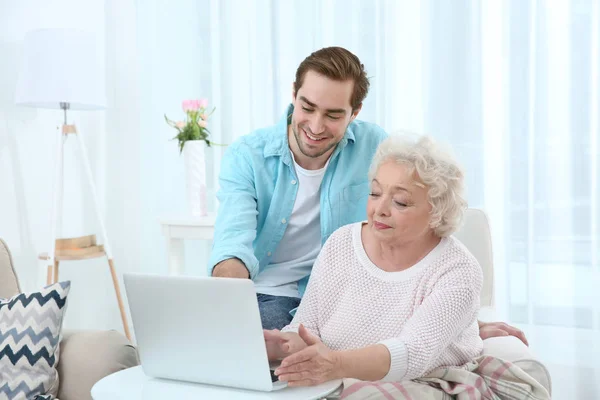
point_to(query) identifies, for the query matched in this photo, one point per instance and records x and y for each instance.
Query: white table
(133, 384)
(178, 229)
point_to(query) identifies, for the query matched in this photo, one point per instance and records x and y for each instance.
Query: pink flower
(194, 105)
(202, 124)
(187, 105)
(203, 116)
(180, 124)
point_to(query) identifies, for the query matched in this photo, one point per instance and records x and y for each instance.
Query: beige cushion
(9, 285)
(88, 356)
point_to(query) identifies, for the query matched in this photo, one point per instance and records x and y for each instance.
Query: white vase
(195, 173)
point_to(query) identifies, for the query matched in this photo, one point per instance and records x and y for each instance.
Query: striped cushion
(30, 327)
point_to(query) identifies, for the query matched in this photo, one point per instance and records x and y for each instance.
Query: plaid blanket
(484, 378)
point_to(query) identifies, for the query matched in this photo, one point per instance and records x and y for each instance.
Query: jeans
(275, 310)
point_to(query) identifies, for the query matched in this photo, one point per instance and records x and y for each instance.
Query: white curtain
(512, 86)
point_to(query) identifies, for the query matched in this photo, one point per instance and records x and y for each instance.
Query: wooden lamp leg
(49, 276)
(52, 275)
(119, 299)
(55, 271)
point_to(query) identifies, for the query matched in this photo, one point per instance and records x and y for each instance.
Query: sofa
(85, 356)
(88, 356)
(475, 234)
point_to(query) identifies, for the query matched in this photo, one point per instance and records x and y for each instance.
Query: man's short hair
(338, 64)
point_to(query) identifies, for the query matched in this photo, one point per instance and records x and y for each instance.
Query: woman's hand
(313, 365)
(280, 345)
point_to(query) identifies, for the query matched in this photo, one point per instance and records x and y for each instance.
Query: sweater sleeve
(449, 308)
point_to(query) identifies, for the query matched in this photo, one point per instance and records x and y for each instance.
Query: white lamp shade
(61, 66)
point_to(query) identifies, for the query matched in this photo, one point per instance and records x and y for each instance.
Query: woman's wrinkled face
(398, 209)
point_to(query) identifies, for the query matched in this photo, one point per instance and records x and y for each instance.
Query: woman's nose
(382, 207)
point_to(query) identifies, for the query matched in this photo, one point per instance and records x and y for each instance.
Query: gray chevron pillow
(30, 328)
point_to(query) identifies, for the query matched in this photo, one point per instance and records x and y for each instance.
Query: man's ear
(294, 91)
(355, 112)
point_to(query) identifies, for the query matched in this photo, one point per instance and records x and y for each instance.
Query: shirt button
(283, 221)
(293, 181)
(269, 254)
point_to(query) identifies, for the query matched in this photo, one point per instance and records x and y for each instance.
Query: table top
(188, 220)
(133, 384)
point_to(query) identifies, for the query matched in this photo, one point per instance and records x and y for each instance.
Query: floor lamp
(62, 70)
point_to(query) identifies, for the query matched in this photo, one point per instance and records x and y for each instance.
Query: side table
(178, 229)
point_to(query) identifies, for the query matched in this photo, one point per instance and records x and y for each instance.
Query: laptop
(202, 330)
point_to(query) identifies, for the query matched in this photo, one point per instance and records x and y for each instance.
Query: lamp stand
(80, 248)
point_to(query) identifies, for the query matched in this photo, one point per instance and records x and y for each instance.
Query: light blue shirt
(258, 189)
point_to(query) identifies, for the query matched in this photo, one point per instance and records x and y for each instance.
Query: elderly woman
(396, 296)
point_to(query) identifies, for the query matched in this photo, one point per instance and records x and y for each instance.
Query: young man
(286, 188)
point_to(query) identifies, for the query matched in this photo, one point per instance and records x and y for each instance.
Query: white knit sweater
(426, 315)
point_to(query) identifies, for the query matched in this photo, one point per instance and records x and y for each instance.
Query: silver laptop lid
(195, 329)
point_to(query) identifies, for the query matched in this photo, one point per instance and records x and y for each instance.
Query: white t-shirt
(294, 257)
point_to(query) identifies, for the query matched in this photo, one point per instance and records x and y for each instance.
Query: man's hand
(231, 268)
(314, 365)
(494, 329)
(280, 345)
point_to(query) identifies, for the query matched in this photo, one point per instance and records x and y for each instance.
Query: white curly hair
(437, 169)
